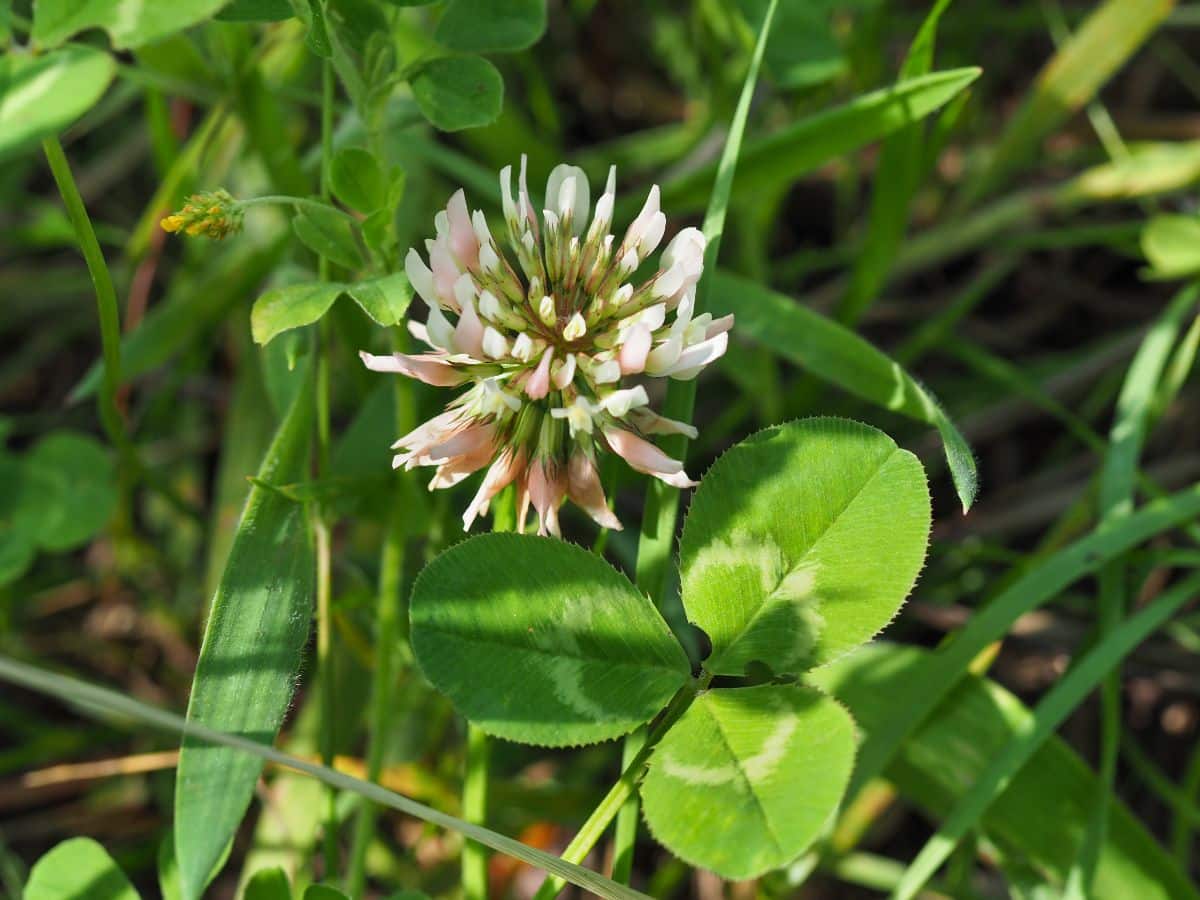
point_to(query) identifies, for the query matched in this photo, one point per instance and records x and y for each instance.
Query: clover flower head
(215, 214)
(543, 333)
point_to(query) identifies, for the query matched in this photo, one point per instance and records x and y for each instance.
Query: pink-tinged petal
(547, 485)
(463, 242)
(468, 333)
(719, 326)
(472, 440)
(437, 429)
(428, 368)
(455, 470)
(697, 356)
(649, 422)
(537, 386)
(632, 356)
(506, 467)
(644, 457)
(586, 492)
(445, 273)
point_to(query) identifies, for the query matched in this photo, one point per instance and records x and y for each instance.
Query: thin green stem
(662, 501)
(301, 202)
(625, 787)
(106, 295)
(390, 641)
(475, 805)
(325, 669)
(108, 312)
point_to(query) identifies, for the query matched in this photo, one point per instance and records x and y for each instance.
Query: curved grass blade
(1072, 77)
(901, 161)
(1118, 479)
(100, 702)
(834, 353)
(919, 694)
(256, 630)
(780, 158)
(1050, 712)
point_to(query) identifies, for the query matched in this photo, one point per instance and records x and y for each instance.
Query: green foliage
(358, 180)
(724, 786)
(257, 628)
(490, 26)
(41, 95)
(1171, 244)
(772, 162)
(838, 355)
(1110, 35)
(384, 299)
(56, 497)
(559, 649)
(328, 233)
(257, 11)
(801, 543)
(932, 772)
(268, 884)
(129, 25)
(78, 869)
(457, 92)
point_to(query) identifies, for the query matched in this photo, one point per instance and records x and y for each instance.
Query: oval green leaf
(802, 542)
(293, 306)
(328, 233)
(78, 869)
(358, 180)
(384, 299)
(129, 24)
(268, 884)
(492, 26)
(1171, 244)
(747, 779)
(457, 92)
(539, 641)
(78, 478)
(257, 628)
(42, 95)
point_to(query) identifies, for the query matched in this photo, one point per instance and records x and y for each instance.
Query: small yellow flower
(213, 214)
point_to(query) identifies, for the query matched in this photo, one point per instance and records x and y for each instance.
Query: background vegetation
(1017, 242)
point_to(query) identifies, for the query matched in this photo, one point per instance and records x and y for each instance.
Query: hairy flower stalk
(544, 333)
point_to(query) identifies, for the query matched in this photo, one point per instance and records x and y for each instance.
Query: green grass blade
(1050, 713)
(1072, 77)
(1118, 479)
(833, 353)
(257, 628)
(900, 163)
(775, 161)
(919, 694)
(932, 773)
(100, 702)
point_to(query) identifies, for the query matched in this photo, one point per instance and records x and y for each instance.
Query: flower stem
(387, 641)
(475, 803)
(662, 502)
(391, 636)
(326, 680)
(625, 787)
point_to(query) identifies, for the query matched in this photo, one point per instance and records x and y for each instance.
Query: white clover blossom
(544, 345)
